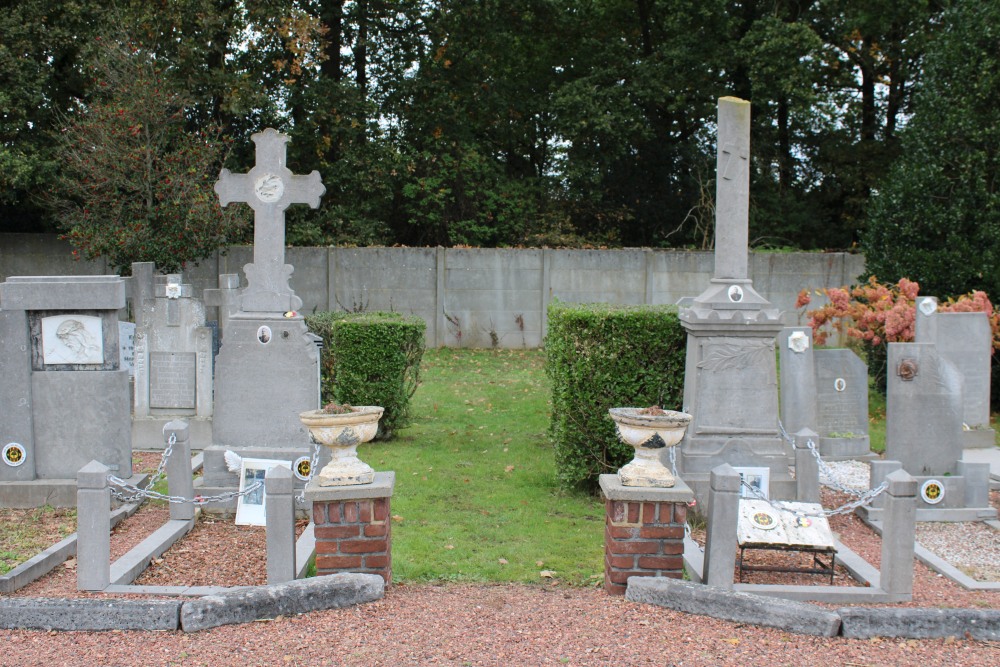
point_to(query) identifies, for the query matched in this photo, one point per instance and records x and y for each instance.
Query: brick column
(644, 531)
(353, 526)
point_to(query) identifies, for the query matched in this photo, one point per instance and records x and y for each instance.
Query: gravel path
(486, 625)
(459, 625)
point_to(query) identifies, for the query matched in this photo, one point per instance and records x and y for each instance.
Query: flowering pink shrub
(877, 314)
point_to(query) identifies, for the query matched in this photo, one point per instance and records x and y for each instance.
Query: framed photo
(251, 508)
(758, 478)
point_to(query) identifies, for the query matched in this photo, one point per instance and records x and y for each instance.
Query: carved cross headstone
(269, 188)
(732, 189)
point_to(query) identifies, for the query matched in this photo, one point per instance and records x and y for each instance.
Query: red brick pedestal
(644, 531)
(353, 526)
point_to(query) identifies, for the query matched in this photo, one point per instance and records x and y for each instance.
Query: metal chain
(197, 500)
(148, 492)
(864, 499)
(824, 469)
(138, 493)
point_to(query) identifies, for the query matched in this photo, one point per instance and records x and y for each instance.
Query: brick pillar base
(643, 531)
(353, 526)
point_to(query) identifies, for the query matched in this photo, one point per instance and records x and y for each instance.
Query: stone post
(806, 467)
(643, 531)
(977, 483)
(279, 488)
(898, 531)
(723, 514)
(353, 526)
(878, 471)
(180, 481)
(93, 532)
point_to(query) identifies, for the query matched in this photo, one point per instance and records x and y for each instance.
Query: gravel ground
(473, 624)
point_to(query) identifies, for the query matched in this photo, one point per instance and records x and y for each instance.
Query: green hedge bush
(598, 357)
(371, 359)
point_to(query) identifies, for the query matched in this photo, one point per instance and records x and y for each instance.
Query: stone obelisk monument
(730, 381)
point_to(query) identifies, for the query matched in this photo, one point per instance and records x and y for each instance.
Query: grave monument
(173, 358)
(65, 395)
(923, 436)
(730, 381)
(825, 391)
(267, 370)
(966, 341)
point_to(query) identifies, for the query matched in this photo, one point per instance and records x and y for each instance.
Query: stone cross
(269, 188)
(732, 189)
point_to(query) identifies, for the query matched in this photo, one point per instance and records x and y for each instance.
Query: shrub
(371, 359)
(599, 357)
(876, 314)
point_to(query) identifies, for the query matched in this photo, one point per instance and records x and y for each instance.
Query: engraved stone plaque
(172, 380)
(72, 339)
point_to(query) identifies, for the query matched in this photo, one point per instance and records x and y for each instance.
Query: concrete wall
(481, 294)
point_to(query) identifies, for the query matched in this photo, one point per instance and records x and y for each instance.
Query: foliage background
(492, 122)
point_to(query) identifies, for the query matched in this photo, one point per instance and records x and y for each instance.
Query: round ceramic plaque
(928, 306)
(735, 293)
(763, 520)
(302, 468)
(269, 188)
(798, 342)
(932, 491)
(840, 384)
(14, 454)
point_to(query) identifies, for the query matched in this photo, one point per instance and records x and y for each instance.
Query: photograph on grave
(251, 508)
(758, 479)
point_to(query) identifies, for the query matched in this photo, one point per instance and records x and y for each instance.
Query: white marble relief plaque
(72, 339)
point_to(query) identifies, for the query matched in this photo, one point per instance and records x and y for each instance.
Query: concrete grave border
(809, 619)
(231, 606)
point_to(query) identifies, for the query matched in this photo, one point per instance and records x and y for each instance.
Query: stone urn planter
(649, 430)
(342, 432)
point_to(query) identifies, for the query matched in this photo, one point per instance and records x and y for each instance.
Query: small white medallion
(798, 342)
(928, 306)
(269, 188)
(840, 384)
(735, 293)
(932, 491)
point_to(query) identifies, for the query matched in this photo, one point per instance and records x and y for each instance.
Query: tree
(936, 219)
(136, 184)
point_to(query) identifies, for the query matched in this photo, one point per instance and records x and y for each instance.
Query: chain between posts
(148, 492)
(313, 462)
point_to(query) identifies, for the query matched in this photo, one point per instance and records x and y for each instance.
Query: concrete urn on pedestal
(649, 430)
(342, 433)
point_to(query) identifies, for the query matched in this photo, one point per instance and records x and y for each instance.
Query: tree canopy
(474, 122)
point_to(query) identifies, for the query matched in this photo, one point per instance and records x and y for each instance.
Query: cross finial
(269, 188)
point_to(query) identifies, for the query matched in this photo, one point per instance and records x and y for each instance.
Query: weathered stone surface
(789, 615)
(259, 602)
(88, 614)
(920, 623)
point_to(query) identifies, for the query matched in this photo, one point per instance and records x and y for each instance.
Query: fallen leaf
(547, 574)
(396, 517)
(732, 640)
(539, 563)
(70, 564)
(509, 469)
(502, 561)
(449, 546)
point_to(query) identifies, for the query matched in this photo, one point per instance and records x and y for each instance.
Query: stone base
(353, 526)
(844, 449)
(644, 531)
(980, 438)
(147, 432)
(966, 498)
(52, 492)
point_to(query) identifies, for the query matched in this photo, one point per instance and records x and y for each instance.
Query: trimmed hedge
(371, 359)
(598, 357)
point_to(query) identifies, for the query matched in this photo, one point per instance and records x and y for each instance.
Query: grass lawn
(24, 533)
(476, 497)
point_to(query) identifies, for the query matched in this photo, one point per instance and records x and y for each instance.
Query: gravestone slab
(69, 403)
(267, 370)
(965, 340)
(173, 359)
(798, 379)
(730, 381)
(842, 404)
(923, 410)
